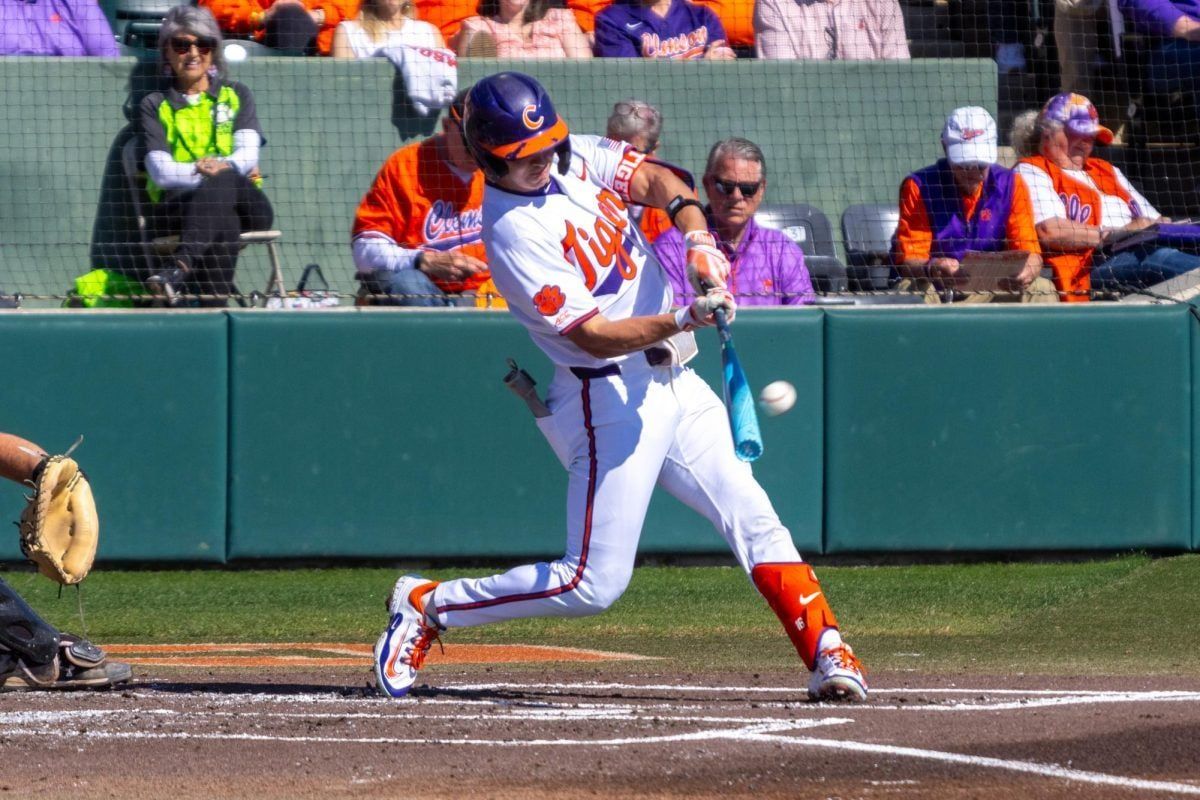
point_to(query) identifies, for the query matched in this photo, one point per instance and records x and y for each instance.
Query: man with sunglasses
(767, 268)
(418, 234)
(967, 202)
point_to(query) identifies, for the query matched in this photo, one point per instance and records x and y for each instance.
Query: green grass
(1126, 615)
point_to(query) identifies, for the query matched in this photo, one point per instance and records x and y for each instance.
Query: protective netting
(851, 105)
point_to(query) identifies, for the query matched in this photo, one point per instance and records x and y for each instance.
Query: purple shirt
(629, 29)
(767, 268)
(55, 28)
(1158, 17)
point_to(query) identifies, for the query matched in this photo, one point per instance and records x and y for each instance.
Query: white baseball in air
(776, 398)
(234, 52)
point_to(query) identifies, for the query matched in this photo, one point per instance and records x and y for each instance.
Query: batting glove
(702, 312)
(707, 266)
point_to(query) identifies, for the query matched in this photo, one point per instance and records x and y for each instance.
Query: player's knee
(23, 632)
(601, 588)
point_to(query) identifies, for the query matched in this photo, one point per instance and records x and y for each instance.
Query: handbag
(304, 297)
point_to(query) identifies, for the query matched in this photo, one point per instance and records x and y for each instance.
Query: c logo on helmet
(531, 122)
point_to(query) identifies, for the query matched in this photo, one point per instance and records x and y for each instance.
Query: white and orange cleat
(839, 673)
(402, 648)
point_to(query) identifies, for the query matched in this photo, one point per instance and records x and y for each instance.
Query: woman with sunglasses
(201, 138)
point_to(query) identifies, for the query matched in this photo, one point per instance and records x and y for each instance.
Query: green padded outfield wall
(330, 125)
(388, 435)
(148, 393)
(994, 429)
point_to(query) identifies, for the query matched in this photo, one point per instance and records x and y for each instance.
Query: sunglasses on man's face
(747, 189)
(184, 46)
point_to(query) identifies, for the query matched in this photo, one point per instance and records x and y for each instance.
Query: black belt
(655, 357)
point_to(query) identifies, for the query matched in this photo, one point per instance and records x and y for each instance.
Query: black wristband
(419, 260)
(679, 204)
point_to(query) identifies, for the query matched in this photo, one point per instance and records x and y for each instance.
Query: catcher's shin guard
(796, 598)
(22, 632)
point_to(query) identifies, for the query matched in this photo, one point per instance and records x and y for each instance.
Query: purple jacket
(55, 28)
(1158, 17)
(628, 29)
(768, 268)
(953, 235)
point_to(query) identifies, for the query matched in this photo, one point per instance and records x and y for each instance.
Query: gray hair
(196, 21)
(1028, 128)
(735, 147)
(630, 118)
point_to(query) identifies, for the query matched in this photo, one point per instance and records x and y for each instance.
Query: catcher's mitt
(59, 526)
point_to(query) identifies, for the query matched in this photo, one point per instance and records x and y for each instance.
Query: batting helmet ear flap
(563, 152)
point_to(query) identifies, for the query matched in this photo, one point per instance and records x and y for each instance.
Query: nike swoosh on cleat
(806, 599)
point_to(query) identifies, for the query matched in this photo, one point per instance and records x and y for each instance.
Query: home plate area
(291, 729)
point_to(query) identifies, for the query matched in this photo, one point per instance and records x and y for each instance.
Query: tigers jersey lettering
(574, 251)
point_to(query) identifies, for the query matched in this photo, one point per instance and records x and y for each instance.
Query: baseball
(776, 398)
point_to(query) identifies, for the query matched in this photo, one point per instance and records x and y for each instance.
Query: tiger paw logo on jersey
(532, 122)
(549, 300)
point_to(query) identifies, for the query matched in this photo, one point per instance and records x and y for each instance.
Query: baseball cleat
(402, 648)
(838, 676)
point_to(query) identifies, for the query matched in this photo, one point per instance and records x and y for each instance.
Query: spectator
(667, 29)
(55, 28)
(766, 267)
(383, 23)
(820, 30)
(1080, 203)
(202, 138)
(302, 26)
(446, 15)
(585, 12)
(737, 18)
(640, 124)
(966, 202)
(525, 29)
(1175, 60)
(418, 233)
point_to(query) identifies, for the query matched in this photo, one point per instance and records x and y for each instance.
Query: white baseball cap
(970, 136)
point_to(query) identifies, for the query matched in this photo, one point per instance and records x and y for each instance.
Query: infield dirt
(615, 730)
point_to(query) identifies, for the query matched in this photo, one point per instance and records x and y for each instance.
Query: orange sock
(794, 595)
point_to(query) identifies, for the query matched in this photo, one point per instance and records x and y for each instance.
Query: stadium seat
(153, 249)
(808, 227)
(148, 13)
(868, 231)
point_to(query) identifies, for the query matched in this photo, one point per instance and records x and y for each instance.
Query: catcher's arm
(19, 458)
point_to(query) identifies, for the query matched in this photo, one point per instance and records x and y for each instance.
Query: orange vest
(1073, 270)
(418, 203)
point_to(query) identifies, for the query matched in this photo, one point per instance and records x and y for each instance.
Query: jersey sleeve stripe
(579, 322)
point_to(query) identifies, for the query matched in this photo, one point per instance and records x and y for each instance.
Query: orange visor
(543, 140)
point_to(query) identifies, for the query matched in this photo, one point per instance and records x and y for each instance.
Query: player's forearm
(656, 186)
(601, 337)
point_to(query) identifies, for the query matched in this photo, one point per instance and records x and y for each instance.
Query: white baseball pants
(618, 435)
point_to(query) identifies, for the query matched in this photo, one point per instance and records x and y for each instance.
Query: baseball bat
(739, 401)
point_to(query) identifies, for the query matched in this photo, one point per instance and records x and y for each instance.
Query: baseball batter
(626, 412)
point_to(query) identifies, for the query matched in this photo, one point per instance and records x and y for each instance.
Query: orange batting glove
(707, 266)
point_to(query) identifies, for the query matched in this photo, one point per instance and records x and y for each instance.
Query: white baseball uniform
(619, 425)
